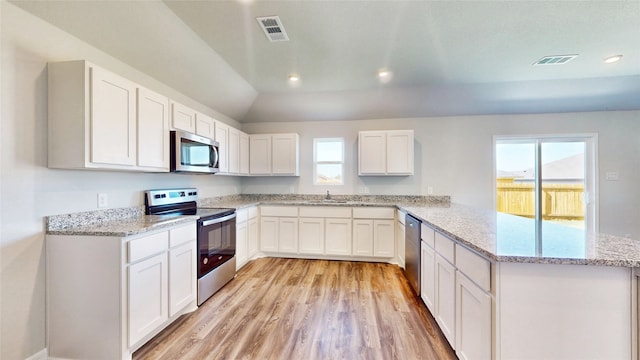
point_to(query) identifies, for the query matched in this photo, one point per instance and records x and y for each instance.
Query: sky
(517, 157)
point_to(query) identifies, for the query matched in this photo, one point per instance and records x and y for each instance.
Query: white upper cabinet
(153, 130)
(113, 119)
(222, 137)
(183, 117)
(244, 154)
(260, 154)
(238, 152)
(385, 152)
(274, 154)
(205, 126)
(95, 121)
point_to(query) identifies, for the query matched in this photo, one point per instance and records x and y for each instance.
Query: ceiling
(446, 57)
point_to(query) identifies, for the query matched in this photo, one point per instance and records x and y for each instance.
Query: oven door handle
(218, 220)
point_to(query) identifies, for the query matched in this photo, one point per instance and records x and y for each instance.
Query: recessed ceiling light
(384, 75)
(294, 78)
(612, 59)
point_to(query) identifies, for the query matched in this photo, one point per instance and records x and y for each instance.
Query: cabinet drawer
(325, 211)
(428, 235)
(241, 215)
(445, 247)
(373, 213)
(147, 246)
(253, 212)
(291, 211)
(401, 217)
(182, 235)
(474, 266)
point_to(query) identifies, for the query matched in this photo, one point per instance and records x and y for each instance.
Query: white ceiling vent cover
(272, 27)
(555, 60)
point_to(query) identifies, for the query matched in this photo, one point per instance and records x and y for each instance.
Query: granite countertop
(112, 222)
(508, 238)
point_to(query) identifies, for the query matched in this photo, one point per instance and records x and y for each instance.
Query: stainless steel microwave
(193, 153)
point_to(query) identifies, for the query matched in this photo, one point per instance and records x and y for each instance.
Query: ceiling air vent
(272, 27)
(555, 60)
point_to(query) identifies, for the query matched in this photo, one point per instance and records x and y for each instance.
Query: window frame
(316, 162)
(591, 169)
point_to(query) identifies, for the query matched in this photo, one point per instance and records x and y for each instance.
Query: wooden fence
(559, 201)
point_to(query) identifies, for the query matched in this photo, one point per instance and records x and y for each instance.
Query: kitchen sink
(327, 201)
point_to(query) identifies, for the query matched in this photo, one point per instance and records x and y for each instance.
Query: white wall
(30, 191)
(454, 155)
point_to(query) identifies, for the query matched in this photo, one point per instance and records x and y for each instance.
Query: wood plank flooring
(306, 309)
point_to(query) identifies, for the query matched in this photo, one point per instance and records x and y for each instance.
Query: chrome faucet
(328, 197)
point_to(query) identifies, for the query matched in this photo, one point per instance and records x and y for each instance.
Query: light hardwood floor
(306, 309)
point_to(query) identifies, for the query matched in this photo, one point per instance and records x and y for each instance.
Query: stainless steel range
(216, 235)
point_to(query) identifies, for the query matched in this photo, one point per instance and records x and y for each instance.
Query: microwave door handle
(215, 157)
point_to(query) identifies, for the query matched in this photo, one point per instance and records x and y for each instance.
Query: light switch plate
(612, 176)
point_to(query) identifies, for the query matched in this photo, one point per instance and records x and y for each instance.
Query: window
(550, 179)
(328, 161)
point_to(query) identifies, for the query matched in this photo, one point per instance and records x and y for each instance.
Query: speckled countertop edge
(475, 229)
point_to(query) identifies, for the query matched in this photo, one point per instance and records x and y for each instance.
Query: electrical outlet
(429, 190)
(612, 176)
(103, 200)
(292, 189)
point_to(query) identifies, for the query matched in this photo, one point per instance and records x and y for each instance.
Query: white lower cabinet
(246, 235)
(140, 284)
(374, 232)
(427, 275)
(445, 298)
(252, 237)
(312, 236)
(338, 236)
(473, 320)
(279, 229)
(288, 235)
(148, 294)
(242, 244)
(400, 236)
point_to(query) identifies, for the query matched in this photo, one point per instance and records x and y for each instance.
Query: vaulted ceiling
(445, 57)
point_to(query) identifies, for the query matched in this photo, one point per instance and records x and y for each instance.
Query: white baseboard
(40, 355)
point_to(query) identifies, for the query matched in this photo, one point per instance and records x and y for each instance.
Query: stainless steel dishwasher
(412, 252)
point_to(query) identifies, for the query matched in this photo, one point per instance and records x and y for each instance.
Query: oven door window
(217, 245)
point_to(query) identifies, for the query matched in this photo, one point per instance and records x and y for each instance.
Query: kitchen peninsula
(507, 294)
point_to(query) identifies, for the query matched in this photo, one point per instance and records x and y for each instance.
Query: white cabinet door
(372, 153)
(153, 130)
(400, 152)
(234, 151)
(400, 234)
(260, 154)
(312, 236)
(113, 119)
(252, 237)
(362, 237)
(182, 277)
(269, 233)
(244, 154)
(242, 245)
(445, 298)
(427, 275)
(384, 240)
(147, 287)
(183, 118)
(288, 235)
(338, 236)
(284, 154)
(205, 126)
(222, 137)
(473, 320)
